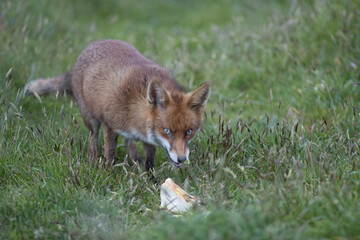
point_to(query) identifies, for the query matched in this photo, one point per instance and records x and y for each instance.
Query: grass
(278, 157)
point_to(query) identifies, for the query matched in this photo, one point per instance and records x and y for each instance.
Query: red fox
(115, 85)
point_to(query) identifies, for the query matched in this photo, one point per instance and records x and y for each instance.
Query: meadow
(278, 156)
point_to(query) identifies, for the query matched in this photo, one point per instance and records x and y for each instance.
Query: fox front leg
(110, 142)
(132, 151)
(149, 152)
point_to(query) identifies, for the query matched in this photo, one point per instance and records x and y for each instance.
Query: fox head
(176, 117)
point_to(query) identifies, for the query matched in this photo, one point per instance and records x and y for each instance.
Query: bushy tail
(50, 85)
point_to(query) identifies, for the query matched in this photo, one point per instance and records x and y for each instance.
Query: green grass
(278, 157)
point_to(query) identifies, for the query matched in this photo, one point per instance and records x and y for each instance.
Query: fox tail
(50, 85)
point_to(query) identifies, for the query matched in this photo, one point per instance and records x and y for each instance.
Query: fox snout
(178, 157)
(181, 159)
(176, 160)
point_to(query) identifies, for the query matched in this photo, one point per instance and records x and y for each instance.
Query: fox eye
(188, 132)
(167, 131)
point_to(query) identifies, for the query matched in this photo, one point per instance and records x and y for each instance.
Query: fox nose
(181, 159)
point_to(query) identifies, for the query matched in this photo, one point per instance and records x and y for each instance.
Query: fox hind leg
(93, 125)
(90, 122)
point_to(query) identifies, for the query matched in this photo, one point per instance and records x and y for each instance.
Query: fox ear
(157, 95)
(198, 98)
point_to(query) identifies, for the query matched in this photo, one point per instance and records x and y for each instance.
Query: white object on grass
(174, 198)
